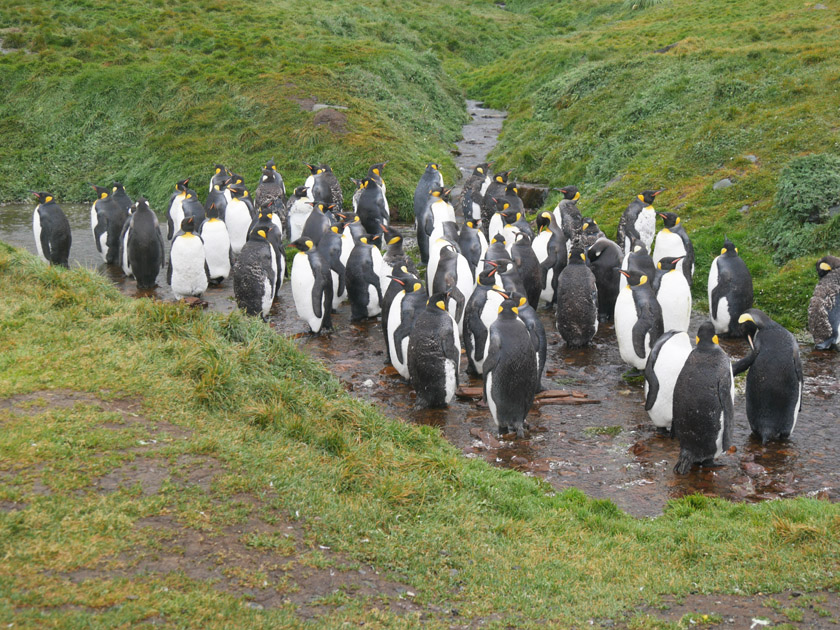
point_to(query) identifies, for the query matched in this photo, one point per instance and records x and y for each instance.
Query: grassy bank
(92, 535)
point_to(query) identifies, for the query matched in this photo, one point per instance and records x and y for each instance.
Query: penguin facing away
(120, 197)
(824, 307)
(704, 397)
(271, 187)
(774, 380)
(312, 288)
(662, 369)
(730, 290)
(255, 275)
(577, 301)
(537, 331)
(604, 261)
(187, 271)
(638, 319)
(403, 312)
(362, 279)
(431, 178)
(434, 354)
(51, 230)
(322, 185)
(144, 245)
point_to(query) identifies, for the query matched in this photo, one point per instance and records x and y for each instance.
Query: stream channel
(606, 447)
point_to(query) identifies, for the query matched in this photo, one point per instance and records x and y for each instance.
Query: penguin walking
(175, 211)
(730, 290)
(673, 294)
(271, 187)
(239, 215)
(551, 249)
(121, 197)
(638, 319)
(824, 307)
(255, 275)
(510, 371)
(774, 380)
(604, 261)
(187, 271)
(480, 312)
(407, 305)
(567, 214)
(298, 208)
(638, 221)
(434, 354)
(577, 301)
(362, 279)
(322, 185)
(216, 246)
(144, 251)
(664, 364)
(52, 230)
(672, 240)
(704, 398)
(312, 287)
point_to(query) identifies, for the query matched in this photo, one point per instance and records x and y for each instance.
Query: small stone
(453, 572)
(723, 183)
(518, 460)
(753, 469)
(744, 209)
(319, 106)
(255, 605)
(833, 211)
(820, 7)
(368, 383)
(751, 158)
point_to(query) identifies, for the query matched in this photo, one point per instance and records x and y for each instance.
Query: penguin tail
(684, 462)
(520, 432)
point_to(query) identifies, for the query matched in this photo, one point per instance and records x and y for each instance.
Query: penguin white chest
(36, 229)
(668, 244)
(646, 226)
(237, 220)
(719, 312)
(674, 296)
(187, 259)
(216, 248)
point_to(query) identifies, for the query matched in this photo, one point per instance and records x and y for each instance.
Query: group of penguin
(484, 278)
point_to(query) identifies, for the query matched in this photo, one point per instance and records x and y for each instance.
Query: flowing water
(598, 439)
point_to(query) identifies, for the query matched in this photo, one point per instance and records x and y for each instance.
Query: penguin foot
(711, 464)
(823, 345)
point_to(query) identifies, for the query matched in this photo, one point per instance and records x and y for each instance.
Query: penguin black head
(522, 236)
(300, 192)
(670, 219)
(754, 318)
(376, 170)
(303, 244)
(117, 187)
(669, 263)
(238, 191)
(270, 165)
(498, 238)
(511, 188)
(182, 185)
(393, 237)
(826, 265)
(571, 193)
(544, 220)
(577, 255)
(259, 235)
(503, 265)
(141, 204)
(590, 226)
(440, 193)
(43, 197)
(235, 180)
(212, 211)
(649, 195)
(101, 191)
(437, 301)
(706, 337)
(635, 278)
(189, 193)
(729, 248)
(509, 308)
(487, 278)
(432, 166)
(482, 169)
(502, 177)
(188, 225)
(219, 169)
(269, 175)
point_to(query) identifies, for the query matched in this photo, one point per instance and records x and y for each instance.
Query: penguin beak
(624, 273)
(502, 293)
(749, 338)
(661, 215)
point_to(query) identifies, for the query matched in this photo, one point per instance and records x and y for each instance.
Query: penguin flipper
(742, 365)
(651, 378)
(456, 294)
(402, 331)
(170, 229)
(493, 346)
(169, 271)
(720, 291)
(797, 369)
(727, 407)
(640, 331)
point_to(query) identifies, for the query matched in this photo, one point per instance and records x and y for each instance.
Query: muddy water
(605, 446)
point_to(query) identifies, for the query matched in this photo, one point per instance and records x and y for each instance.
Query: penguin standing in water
(510, 371)
(175, 211)
(431, 178)
(824, 307)
(144, 250)
(567, 214)
(604, 261)
(397, 281)
(537, 331)
(638, 319)
(372, 207)
(434, 354)
(550, 247)
(577, 301)
(99, 219)
(704, 398)
(255, 275)
(472, 192)
(637, 259)
(298, 208)
(274, 235)
(364, 290)
(473, 244)
(216, 246)
(318, 222)
(112, 217)
(638, 221)
(672, 240)
(270, 188)
(187, 271)
(730, 290)
(120, 197)
(216, 197)
(528, 265)
(322, 185)
(403, 312)
(480, 312)
(312, 287)
(239, 215)
(52, 230)
(774, 381)
(673, 294)
(663, 367)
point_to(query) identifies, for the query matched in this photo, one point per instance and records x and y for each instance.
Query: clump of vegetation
(641, 4)
(809, 188)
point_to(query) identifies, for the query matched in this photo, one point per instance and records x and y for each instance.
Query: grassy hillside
(161, 465)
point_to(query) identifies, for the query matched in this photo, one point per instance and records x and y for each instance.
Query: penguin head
(188, 225)
(647, 196)
(498, 238)
(393, 237)
(729, 248)
(270, 165)
(502, 177)
(181, 186)
(669, 263)
(238, 191)
(101, 191)
(754, 317)
(375, 171)
(437, 301)
(571, 193)
(432, 167)
(300, 192)
(303, 244)
(43, 197)
(590, 226)
(212, 212)
(503, 265)
(268, 175)
(706, 338)
(487, 278)
(670, 219)
(511, 189)
(140, 204)
(544, 220)
(235, 180)
(635, 278)
(482, 169)
(189, 193)
(220, 169)
(577, 255)
(117, 187)
(826, 265)
(509, 308)
(522, 237)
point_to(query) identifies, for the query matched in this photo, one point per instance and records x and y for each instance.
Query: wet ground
(598, 438)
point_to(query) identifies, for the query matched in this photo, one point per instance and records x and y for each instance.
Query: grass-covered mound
(292, 448)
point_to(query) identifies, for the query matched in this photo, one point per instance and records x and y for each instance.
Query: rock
(753, 469)
(489, 440)
(744, 209)
(833, 211)
(519, 460)
(820, 7)
(723, 183)
(317, 107)
(751, 158)
(255, 605)
(532, 195)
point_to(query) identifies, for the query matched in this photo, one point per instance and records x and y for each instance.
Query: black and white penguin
(192, 207)
(664, 364)
(239, 215)
(219, 178)
(637, 259)
(550, 247)
(312, 287)
(174, 211)
(431, 178)
(495, 190)
(473, 244)
(590, 232)
(567, 214)
(375, 173)
(255, 275)
(362, 279)
(577, 301)
(638, 319)
(110, 215)
(638, 221)
(298, 208)
(480, 312)
(274, 235)
(509, 276)
(235, 179)
(217, 248)
(144, 251)
(187, 271)
(322, 185)
(528, 265)
(510, 371)
(397, 281)
(672, 240)
(730, 290)
(824, 307)
(434, 354)
(121, 197)
(496, 250)
(52, 230)
(537, 331)
(452, 275)
(673, 294)
(605, 261)
(331, 246)
(270, 188)
(318, 222)
(774, 381)
(704, 398)
(472, 192)
(395, 255)
(426, 220)
(441, 211)
(372, 207)
(216, 198)
(99, 219)
(408, 303)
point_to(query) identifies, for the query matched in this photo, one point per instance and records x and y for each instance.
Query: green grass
(293, 447)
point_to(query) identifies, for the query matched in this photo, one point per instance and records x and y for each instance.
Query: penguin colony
(484, 278)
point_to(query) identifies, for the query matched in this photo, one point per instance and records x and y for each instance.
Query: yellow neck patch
(825, 266)
(48, 199)
(440, 304)
(261, 233)
(576, 197)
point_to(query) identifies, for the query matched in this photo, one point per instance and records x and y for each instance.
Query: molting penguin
(510, 371)
(395, 255)
(312, 287)
(471, 193)
(567, 214)
(604, 261)
(638, 319)
(298, 208)
(255, 275)
(590, 232)
(271, 187)
(187, 271)
(407, 305)
(481, 311)
(174, 211)
(322, 185)
(638, 221)
(363, 270)
(774, 381)
(216, 246)
(672, 240)
(577, 301)
(239, 215)
(52, 230)
(274, 235)
(434, 354)
(494, 191)
(662, 369)
(431, 178)
(824, 307)
(703, 403)
(730, 290)
(673, 294)
(144, 251)
(550, 247)
(120, 197)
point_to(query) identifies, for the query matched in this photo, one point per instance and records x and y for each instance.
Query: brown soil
(335, 120)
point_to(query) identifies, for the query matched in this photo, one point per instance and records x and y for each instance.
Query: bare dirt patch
(335, 120)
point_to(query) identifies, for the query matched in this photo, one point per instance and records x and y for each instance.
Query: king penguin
(216, 246)
(577, 301)
(114, 219)
(312, 287)
(472, 192)
(216, 197)
(663, 367)
(144, 245)
(481, 311)
(673, 294)
(638, 221)
(322, 185)
(774, 381)
(187, 271)
(52, 230)
(605, 261)
(551, 249)
(402, 313)
(673, 241)
(528, 265)
(431, 178)
(270, 188)
(298, 208)
(638, 319)
(473, 244)
(363, 270)
(372, 207)
(120, 197)
(239, 215)
(824, 307)
(219, 178)
(567, 213)
(537, 331)
(704, 398)
(255, 275)
(434, 354)
(730, 290)
(175, 211)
